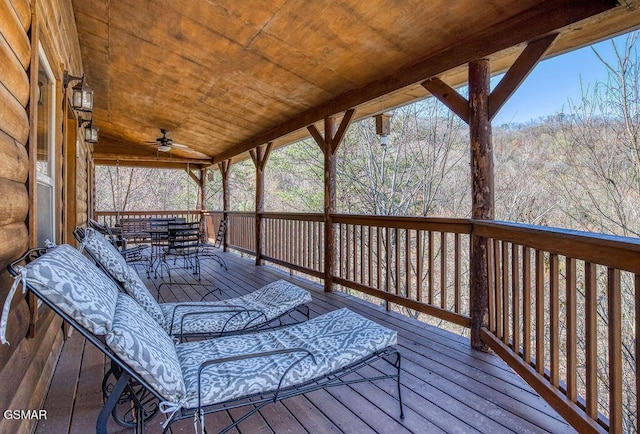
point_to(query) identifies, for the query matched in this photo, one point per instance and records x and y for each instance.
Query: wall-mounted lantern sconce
(82, 97)
(90, 132)
(383, 127)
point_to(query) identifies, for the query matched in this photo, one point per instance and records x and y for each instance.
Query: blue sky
(554, 81)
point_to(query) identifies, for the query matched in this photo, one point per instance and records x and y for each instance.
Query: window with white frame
(45, 166)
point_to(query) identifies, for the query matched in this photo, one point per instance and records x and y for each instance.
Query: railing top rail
(121, 213)
(618, 252)
(293, 216)
(425, 223)
(241, 213)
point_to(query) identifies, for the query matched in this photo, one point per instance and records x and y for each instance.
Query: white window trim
(44, 66)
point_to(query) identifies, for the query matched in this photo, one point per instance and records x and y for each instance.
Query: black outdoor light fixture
(383, 127)
(82, 97)
(90, 132)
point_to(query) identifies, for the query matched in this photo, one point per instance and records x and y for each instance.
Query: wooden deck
(447, 386)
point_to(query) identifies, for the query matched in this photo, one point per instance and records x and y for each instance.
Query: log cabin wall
(26, 365)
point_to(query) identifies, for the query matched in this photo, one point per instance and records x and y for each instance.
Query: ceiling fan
(166, 144)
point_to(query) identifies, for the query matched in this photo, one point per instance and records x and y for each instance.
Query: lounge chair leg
(398, 362)
(110, 404)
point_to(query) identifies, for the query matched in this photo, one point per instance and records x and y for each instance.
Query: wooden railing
(556, 316)
(413, 262)
(295, 241)
(112, 218)
(241, 231)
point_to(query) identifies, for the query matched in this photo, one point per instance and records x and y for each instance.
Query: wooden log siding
(26, 365)
(15, 53)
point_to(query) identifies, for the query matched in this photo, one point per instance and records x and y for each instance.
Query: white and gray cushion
(263, 305)
(70, 281)
(139, 292)
(114, 263)
(106, 254)
(335, 339)
(145, 347)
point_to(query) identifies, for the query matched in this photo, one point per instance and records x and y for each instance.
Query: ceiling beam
(518, 72)
(546, 17)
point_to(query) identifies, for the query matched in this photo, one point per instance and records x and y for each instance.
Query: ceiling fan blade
(180, 145)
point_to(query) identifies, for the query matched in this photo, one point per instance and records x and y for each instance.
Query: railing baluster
(407, 261)
(498, 285)
(387, 283)
(396, 236)
(614, 310)
(554, 314)
(379, 257)
(540, 356)
(505, 291)
(637, 344)
(591, 337)
(526, 304)
(362, 257)
(515, 297)
(430, 272)
(369, 257)
(443, 270)
(419, 259)
(492, 287)
(572, 340)
(457, 273)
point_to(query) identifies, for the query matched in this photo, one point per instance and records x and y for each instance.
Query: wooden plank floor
(446, 386)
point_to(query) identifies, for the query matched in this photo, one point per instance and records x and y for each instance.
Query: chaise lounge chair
(254, 311)
(197, 378)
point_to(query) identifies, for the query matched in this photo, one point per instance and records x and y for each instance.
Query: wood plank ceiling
(224, 76)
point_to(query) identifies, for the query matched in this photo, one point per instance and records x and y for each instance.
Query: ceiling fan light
(164, 148)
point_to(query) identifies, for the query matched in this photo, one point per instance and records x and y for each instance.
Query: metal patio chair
(194, 379)
(258, 310)
(209, 250)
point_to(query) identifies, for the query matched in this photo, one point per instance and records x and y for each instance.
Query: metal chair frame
(126, 376)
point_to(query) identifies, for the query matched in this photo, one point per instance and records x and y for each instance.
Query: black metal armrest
(208, 363)
(210, 309)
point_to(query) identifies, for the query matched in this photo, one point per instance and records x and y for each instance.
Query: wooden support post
(478, 111)
(482, 196)
(329, 146)
(259, 155)
(203, 189)
(224, 167)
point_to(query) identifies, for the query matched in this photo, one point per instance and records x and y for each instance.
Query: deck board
(446, 385)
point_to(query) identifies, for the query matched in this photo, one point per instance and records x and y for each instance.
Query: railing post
(329, 203)
(329, 146)
(224, 167)
(259, 155)
(481, 193)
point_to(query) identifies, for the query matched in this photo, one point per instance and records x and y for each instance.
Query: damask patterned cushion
(108, 256)
(335, 339)
(136, 338)
(70, 281)
(134, 286)
(264, 304)
(111, 260)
